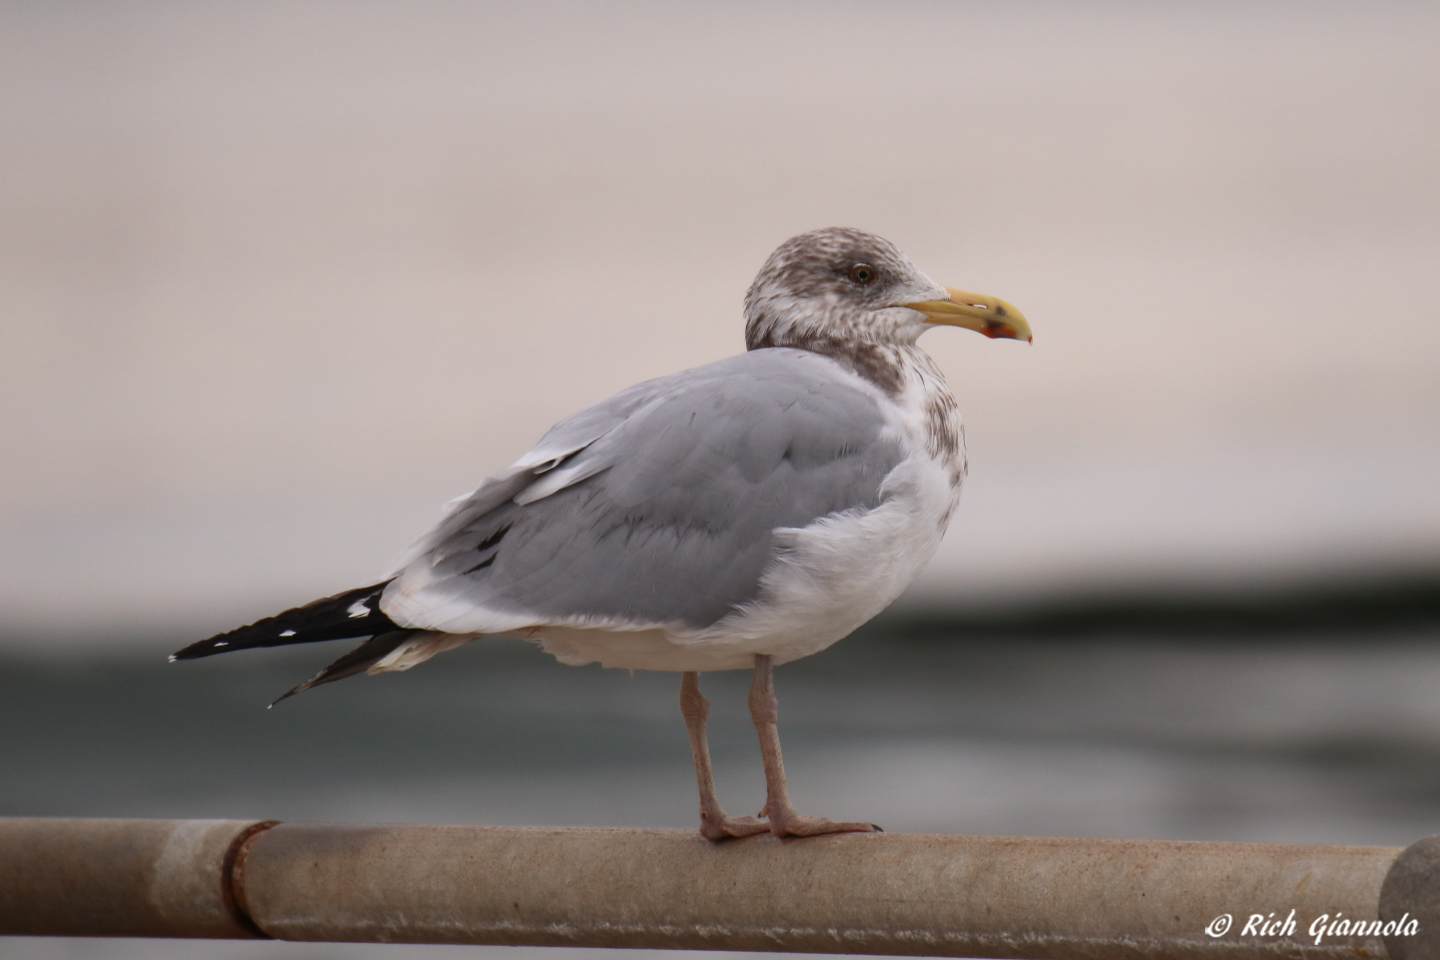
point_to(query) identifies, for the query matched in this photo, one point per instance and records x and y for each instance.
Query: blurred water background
(278, 279)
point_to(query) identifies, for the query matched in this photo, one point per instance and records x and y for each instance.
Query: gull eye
(863, 273)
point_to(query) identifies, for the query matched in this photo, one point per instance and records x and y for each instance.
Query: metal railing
(916, 894)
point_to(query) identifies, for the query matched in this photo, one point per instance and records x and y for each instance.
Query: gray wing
(522, 479)
(657, 506)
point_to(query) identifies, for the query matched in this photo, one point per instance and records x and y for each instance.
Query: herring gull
(741, 514)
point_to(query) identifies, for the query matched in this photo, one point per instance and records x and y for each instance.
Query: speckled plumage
(803, 297)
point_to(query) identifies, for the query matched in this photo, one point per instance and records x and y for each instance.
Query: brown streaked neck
(870, 361)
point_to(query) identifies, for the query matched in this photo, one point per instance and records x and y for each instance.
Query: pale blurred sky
(278, 279)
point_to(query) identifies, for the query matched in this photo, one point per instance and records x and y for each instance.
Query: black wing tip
(329, 618)
(363, 657)
(202, 648)
(290, 693)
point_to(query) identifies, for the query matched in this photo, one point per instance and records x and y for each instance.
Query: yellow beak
(975, 311)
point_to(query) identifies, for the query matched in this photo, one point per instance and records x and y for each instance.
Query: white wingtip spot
(222, 643)
(357, 609)
(287, 633)
(173, 658)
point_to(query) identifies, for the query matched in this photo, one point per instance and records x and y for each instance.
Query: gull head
(839, 284)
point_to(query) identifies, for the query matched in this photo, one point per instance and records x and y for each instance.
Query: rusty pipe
(915, 894)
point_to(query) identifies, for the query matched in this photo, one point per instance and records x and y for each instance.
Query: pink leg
(714, 825)
(784, 821)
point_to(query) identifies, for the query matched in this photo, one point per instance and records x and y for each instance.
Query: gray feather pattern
(658, 505)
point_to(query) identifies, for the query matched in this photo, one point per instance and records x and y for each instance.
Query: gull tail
(352, 614)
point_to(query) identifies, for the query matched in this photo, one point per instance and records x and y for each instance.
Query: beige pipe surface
(120, 878)
(857, 893)
(915, 894)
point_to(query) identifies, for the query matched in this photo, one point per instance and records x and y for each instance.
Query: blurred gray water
(1328, 739)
